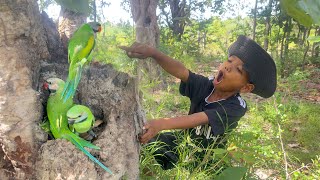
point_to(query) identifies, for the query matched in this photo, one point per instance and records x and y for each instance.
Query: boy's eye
(239, 70)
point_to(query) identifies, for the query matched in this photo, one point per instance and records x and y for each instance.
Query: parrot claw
(45, 125)
(89, 136)
(92, 133)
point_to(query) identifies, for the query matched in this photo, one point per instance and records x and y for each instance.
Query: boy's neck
(219, 95)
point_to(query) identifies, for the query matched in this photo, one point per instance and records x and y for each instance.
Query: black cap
(258, 63)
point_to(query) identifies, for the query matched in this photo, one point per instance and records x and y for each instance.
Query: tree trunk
(282, 57)
(307, 33)
(22, 47)
(29, 55)
(147, 31)
(317, 48)
(179, 13)
(68, 22)
(304, 36)
(254, 21)
(315, 43)
(268, 26)
(286, 47)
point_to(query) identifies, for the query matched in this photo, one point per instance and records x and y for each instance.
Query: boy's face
(232, 77)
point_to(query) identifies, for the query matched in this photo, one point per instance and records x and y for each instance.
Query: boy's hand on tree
(138, 50)
(151, 129)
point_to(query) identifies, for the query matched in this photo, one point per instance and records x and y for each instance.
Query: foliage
(215, 164)
(294, 9)
(312, 8)
(314, 39)
(294, 80)
(43, 4)
(81, 6)
(88, 7)
(107, 50)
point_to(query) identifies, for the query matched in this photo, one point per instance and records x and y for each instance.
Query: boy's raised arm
(172, 66)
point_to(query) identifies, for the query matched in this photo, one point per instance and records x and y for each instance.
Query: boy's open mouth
(219, 77)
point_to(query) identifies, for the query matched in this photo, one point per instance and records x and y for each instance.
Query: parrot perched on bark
(81, 120)
(57, 115)
(80, 46)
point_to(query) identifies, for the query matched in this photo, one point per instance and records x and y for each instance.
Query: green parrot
(81, 120)
(57, 115)
(80, 47)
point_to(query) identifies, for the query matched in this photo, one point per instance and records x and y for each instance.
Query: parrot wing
(81, 43)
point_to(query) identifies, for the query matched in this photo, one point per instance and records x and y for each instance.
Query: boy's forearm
(184, 122)
(171, 65)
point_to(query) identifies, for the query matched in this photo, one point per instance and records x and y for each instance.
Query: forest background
(278, 138)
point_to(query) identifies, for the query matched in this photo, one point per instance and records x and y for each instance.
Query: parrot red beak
(45, 86)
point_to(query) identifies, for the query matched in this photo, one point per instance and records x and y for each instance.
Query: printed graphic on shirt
(242, 102)
(205, 130)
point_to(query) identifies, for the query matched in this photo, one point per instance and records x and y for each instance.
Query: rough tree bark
(28, 44)
(179, 11)
(22, 47)
(147, 31)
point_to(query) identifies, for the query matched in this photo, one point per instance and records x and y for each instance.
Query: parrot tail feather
(78, 145)
(85, 143)
(71, 84)
(65, 87)
(78, 76)
(68, 91)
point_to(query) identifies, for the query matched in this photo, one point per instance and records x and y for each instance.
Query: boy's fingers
(130, 53)
(126, 48)
(146, 126)
(146, 140)
(146, 137)
(135, 55)
(143, 138)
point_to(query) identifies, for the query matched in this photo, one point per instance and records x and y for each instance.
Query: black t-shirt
(223, 115)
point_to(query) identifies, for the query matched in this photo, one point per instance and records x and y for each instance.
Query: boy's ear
(247, 88)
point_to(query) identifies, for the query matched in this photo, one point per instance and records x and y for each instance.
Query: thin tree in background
(306, 34)
(254, 20)
(267, 25)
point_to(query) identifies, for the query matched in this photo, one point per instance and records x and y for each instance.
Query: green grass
(255, 144)
(302, 128)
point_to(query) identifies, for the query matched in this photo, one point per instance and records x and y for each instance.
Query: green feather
(78, 145)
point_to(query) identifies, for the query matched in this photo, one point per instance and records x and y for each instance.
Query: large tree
(147, 31)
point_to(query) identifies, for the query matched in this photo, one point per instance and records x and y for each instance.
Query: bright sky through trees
(112, 13)
(115, 12)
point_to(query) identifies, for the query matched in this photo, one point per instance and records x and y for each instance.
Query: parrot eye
(79, 116)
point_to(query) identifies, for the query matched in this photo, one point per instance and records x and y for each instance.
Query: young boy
(216, 104)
